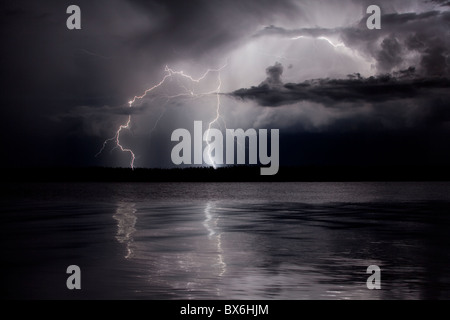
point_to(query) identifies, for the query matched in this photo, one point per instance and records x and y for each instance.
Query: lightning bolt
(187, 93)
(215, 120)
(321, 38)
(116, 138)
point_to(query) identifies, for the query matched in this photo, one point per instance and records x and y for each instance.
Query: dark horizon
(228, 174)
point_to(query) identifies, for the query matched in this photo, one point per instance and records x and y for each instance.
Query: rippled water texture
(226, 240)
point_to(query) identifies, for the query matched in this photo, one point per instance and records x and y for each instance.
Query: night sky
(338, 92)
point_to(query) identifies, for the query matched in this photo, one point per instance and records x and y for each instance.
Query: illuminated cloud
(70, 90)
(406, 39)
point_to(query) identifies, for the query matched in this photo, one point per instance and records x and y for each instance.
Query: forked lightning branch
(169, 74)
(213, 154)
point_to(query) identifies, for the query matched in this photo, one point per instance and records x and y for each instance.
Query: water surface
(226, 240)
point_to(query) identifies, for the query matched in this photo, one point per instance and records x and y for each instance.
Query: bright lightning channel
(169, 73)
(321, 38)
(211, 160)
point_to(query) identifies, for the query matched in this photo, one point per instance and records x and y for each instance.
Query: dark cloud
(273, 76)
(104, 111)
(195, 27)
(122, 44)
(355, 89)
(306, 32)
(390, 54)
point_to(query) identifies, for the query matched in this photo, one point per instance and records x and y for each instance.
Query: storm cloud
(354, 89)
(406, 39)
(65, 91)
(408, 88)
